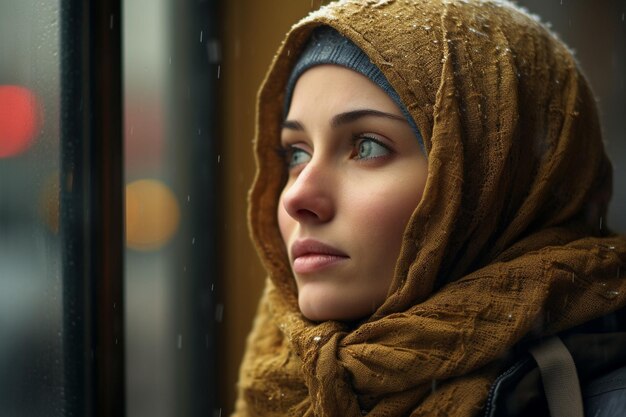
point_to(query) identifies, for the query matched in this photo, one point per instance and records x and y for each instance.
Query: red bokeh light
(20, 119)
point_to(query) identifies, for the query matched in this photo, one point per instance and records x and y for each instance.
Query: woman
(428, 216)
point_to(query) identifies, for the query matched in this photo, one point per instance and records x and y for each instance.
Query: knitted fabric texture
(508, 244)
(327, 46)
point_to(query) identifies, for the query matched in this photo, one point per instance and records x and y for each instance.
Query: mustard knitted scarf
(507, 244)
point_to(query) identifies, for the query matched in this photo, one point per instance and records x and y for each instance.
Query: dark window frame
(92, 208)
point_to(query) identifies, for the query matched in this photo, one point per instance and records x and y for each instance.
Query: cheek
(385, 208)
(383, 217)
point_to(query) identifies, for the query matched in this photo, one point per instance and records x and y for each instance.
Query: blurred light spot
(20, 119)
(152, 214)
(144, 116)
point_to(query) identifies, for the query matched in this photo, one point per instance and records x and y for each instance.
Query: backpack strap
(559, 377)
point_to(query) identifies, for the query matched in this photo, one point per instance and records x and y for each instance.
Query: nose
(309, 199)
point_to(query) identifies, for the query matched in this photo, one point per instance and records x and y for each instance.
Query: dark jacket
(598, 349)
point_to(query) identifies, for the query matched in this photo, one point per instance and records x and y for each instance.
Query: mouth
(310, 256)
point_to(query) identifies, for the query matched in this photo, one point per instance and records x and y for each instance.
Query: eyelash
(285, 153)
(356, 139)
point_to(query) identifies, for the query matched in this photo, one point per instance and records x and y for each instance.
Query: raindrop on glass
(219, 312)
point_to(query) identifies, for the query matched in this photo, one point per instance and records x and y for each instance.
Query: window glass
(31, 298)
(152, 213)
(171, 67)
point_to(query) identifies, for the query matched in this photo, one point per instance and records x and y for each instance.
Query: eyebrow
(345, 118)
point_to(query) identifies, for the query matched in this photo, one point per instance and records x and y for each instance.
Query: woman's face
(355, 175)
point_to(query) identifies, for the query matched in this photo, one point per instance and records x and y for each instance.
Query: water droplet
(611, 294)
(219, 312)
(316, 339)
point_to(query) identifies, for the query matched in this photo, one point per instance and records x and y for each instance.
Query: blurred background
(191, 70)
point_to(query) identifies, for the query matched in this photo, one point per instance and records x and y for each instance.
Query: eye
(369, 148)
(296, 156)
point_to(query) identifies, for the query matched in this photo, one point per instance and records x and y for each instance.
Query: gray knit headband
(327, 46)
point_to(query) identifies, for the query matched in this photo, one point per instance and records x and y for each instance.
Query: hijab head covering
(508, 244)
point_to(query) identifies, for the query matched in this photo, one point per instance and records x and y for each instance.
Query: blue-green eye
(297, 156)
(367, 148)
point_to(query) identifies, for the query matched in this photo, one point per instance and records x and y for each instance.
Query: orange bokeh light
(152, 214)
(20, 119)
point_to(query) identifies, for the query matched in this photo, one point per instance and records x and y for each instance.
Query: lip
(310, 255)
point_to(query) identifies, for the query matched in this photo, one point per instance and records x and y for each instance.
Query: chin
(323, 308)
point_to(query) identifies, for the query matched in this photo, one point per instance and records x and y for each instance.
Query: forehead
(332, 88)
